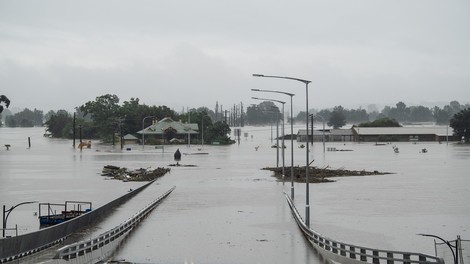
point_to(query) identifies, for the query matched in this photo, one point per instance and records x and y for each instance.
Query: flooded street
(227, 210)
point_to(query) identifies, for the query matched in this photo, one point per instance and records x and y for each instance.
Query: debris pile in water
(318, 175)
(125, 174)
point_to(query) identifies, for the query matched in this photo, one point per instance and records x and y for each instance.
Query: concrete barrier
(102, 247)
(13, 248)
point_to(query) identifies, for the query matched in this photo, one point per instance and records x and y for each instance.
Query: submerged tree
(59, 124)
(382, 122)
(461, 124)
(4, 99)
(337, 118)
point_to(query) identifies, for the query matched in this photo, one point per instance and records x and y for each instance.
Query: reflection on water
(227, 210)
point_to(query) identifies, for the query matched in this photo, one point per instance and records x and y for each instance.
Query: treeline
(267, 112)
(25, 118)
(129, 115)
(400, 112)
(105, 118)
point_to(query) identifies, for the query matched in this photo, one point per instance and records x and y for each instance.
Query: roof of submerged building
(168, 123)
(434, 130)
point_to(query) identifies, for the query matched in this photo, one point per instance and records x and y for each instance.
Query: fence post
(389, 258)
(406, 257)
(363, 255)
(343, 250)
(352, 253)
(376, 259)
(327, 245)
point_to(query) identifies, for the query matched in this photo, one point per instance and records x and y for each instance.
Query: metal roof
(335, 132)
(166, 123)
(130, 137)
(435, 130)
(341, 132)
(301, 132)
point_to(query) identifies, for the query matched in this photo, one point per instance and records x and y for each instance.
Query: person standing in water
(177, 157)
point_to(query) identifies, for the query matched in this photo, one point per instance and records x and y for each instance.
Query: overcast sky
(60, 54)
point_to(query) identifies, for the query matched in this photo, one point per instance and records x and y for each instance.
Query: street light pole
(143, 131)
(5, 217)
(291, 137)
(454, 254)
(306, 82)
(283, 134)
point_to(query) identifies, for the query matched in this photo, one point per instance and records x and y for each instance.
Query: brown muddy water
(226, 209)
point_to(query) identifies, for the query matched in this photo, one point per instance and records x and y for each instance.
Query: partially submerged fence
(353, 254)
(101, 247)
(20, 246)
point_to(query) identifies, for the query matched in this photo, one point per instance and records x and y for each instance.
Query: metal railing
(81, 248)
(348, 253)
(11, 229)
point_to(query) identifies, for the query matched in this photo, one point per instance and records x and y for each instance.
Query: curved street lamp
(306, 82)
(454, 254)
(291, 136)
(143, 131)
(5, 217)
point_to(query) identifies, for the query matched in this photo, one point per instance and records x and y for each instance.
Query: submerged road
(227, 210)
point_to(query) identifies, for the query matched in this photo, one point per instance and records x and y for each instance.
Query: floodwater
(227, 210)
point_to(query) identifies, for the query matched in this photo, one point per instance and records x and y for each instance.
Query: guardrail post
(352, 253)
(406, 257)
(363, 255)
(327, 245)
(343, 250)
(389, 258)
(375, 259)
(335, 248)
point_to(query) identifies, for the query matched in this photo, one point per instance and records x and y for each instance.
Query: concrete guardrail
(101, 247)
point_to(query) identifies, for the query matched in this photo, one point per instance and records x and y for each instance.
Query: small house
(168, 130)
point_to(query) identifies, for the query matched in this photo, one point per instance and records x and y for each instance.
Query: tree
(337, 118)
(264, 113)
(420, 114)
(325, 114)
(460, 122)
(25, 118)
(219, 132)
(383, 122)
(4, 99)
(356, 115)
(441, 116)
(455, 107)
(400, 112)
(105, 114)
(59, 124)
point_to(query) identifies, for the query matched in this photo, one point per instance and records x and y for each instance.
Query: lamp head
(255, 90)
(258, 75)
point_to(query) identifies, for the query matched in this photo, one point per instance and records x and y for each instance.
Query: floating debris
(395, 148)
(125, 174)
(182, 165)
(319, 175)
